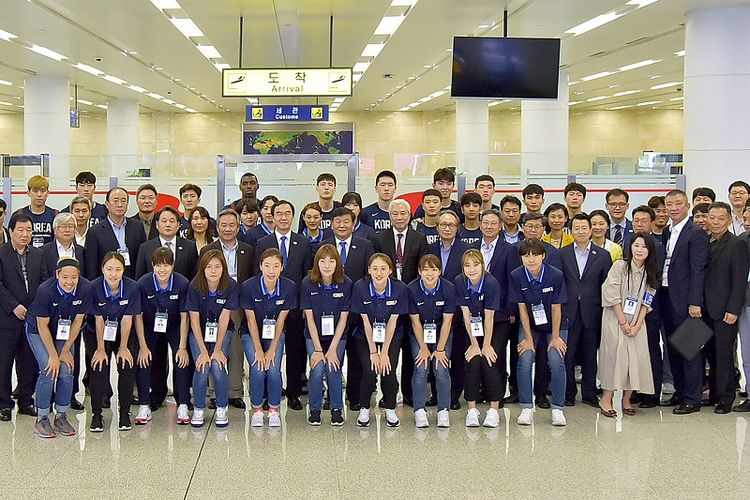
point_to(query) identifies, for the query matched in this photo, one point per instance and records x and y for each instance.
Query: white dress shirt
(674, 235)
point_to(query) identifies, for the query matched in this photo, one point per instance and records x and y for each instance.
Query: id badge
(430, 333)
(477, 327)
(630, 306)
(211, 331)
(378, 332)
(63, 329)
(269, 329)
(110, 330)
(540, 316)
(125, 255)
(160, 322)
(327, 326)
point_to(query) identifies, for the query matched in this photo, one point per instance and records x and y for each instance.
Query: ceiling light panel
(639, 64)
(389, 25)
(187, 27)
(47, 52)
(4, 35)
(209, 51)
(166, 4)
(593, 23)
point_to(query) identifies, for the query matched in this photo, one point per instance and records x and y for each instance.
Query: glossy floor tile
(651, 455)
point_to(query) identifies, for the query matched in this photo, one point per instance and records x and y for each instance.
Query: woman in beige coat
(624, 362)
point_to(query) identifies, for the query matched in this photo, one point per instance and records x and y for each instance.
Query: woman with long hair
(200, 231)
(600, 230)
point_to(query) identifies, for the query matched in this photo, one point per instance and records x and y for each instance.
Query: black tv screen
(525, 68)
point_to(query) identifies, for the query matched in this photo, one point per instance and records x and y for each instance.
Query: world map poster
(298, 142)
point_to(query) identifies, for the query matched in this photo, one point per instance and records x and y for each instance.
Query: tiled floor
(652, 455)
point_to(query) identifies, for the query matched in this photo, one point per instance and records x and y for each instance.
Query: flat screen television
(517, 68)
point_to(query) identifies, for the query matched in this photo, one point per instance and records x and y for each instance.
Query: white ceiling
(136, 42)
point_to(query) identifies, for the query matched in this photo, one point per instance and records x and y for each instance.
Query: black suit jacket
(453, 265)
(101, 239)
(51, 256)
(414, 248)
(245, 254)
(299, 255)
(185, 257)
(585, 292)
(687, 269)
(12, 287)
(357, 256)
(726, 277)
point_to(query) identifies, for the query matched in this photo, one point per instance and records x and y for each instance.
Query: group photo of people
(454, 309)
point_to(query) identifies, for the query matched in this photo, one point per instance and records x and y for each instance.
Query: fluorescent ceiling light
(389, 24)
(84, 101)
(573, 103)
(169, 101)
(405, 108)
(665, 85)
(166, 4)
(677, 99)
(372, 49)
(625, 92)
(138, 89)
(222, 66)
(7, 36)
(3, 82)
(597, 98)
(209, 51)
(483, 26)
(361, 67)
(5, 103)
(181, 106)
(89, 69)
(103, 106)
(639, 64)
(114, 79)
(356, 77)
(680, 53)
(191, 110)
(155, 96)
(596, 75)
(619, 107)
(47, 52)
(187, 27)
(641, 3)
(403, 3)
(647, 103)
(589, 25)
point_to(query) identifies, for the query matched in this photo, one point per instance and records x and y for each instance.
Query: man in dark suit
(620, 229)
(355, 255)
(64, 245)
(405, 247)
(298, 258)
(725, 284)
(185, 252)
(116, 233)
(682, 297)
(239, 257)
(21, 272)
(449, 249)
(585, 267)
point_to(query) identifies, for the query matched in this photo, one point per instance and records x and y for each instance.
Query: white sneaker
(274, 418)
(363, 420)
(492, 418)
(257, 418)
(391, 419)
(183, 417)
(443, 419)
(526, 417)
(197, 420)
(472, 418)
(558, 418)
(222, 419)
(420, 419)
(144, 415)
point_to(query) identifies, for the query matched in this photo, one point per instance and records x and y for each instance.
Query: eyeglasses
(738, 193)
(67, 226)
(618, 205)
(446, 225)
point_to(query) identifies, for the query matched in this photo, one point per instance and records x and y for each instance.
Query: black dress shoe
(708, 402)
(686, 409)
(743, 407)
(27, 410)
(648, 402)
(5, 414)
(512, 399)
(432, 401)
(237, 403)
(76, 405)
(190, 406)
(722, 409)
(672, 401)
(265, 405)
(381, 403)
(636, 398)
(212, 404)
(455, 405)
(570, 402)
(154, 406)
(592, 401)
(355, 406)
(294, 404)
(542, 402)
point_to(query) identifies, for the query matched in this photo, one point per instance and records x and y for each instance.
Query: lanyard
(480, 287)
(434, 291)
(375, 294)
(531, 278)
(265, 292)
(643, 276)
(67, 297)
(109, 295)
(169, 286)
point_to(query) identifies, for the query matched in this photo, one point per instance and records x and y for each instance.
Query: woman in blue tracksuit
(115, 301)
(266, 300)
(432, 303)
(163, 296)
(53, 322)
(380, 300)
(324, 297)
(211, 298)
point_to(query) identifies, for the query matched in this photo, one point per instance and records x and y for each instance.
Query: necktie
(168, 244)
(282, 249)
(343, 252)
(618, 235)
(399, 250)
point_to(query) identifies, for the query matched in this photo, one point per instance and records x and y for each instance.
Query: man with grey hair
(405, 247)
(80, 208)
